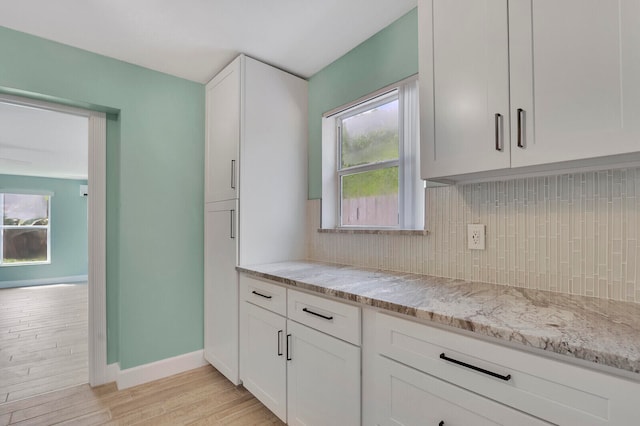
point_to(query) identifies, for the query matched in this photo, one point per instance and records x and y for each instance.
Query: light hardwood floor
(43, 339)
(197, 397)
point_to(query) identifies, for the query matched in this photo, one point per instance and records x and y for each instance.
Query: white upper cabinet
(576, 76)
(564, 75)
(470, 85)
(223, 134)
(273, 165)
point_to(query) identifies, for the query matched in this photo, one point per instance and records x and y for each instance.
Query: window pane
(370, 198)
(371, 136)
(24, 245)
(22, 209)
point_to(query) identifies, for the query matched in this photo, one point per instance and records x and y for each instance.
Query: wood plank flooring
(43, 339)
(198, 397)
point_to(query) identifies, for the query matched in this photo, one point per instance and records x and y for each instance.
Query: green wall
(155, 151)
(68, 229)
(387, 57)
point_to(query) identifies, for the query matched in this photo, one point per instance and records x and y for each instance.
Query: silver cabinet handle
(498, 119)
(279, 339)
(233, 174)
(520, 128)
(232, 234)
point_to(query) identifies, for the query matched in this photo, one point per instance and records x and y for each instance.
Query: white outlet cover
(475, 236)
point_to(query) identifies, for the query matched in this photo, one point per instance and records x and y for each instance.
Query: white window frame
(3, 227)
(411, 187)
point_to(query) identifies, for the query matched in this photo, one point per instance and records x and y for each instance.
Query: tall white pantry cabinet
(255, 189)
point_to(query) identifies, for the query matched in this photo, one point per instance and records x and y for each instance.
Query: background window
(25, 229)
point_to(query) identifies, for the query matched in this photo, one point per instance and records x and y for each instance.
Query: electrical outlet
(475, 236)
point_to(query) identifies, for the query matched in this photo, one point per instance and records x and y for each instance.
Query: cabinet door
(223, 134)
(575, 73)
(221, 288)
(464, 69)
(323, 380)
(263, 366)
(409, 397)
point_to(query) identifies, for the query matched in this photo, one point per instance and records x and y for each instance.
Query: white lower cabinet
(221, 288)
(305, 376)
(427, 375)
(409, 397)
(323, 378)
(262, 357)
(316, 361)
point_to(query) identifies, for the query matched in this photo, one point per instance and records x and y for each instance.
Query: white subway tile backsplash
(573, 233)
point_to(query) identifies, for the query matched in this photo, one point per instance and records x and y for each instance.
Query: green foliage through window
(371, 147)
(370, 184)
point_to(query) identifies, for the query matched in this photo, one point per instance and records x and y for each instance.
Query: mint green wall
(387, 57)
(68, 229)
(155, 153)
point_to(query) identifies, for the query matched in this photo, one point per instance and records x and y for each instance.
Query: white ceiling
(38, 142)
(194, 39)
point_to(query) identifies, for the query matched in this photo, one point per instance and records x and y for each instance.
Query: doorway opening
(52, 284)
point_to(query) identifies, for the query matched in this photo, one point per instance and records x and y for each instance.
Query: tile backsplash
(573, 233)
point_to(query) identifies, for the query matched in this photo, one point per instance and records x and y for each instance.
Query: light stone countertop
(601, 331)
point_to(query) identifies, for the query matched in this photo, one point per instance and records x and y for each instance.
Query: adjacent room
(43, 247)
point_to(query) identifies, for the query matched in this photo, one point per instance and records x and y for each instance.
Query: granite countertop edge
(595, 336)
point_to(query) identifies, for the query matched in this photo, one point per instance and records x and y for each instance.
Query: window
(25, 229)
(370, 162)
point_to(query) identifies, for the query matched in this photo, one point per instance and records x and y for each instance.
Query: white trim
(160, 369)
(27, 191)
(44, 281)
(32, 103)
(44, 262)
(112, 372)
(330, 205)
(97, 163)
(370, 96)
(97, 248)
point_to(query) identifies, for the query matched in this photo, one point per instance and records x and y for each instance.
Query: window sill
(373, 231)
(6, 265)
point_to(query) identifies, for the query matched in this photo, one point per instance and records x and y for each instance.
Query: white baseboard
(160, 369)
(112, 372)
(44, 281)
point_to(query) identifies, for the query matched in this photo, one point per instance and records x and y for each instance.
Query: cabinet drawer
(331, 317)
(408, 397)
(553, 390)
(264, 294)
